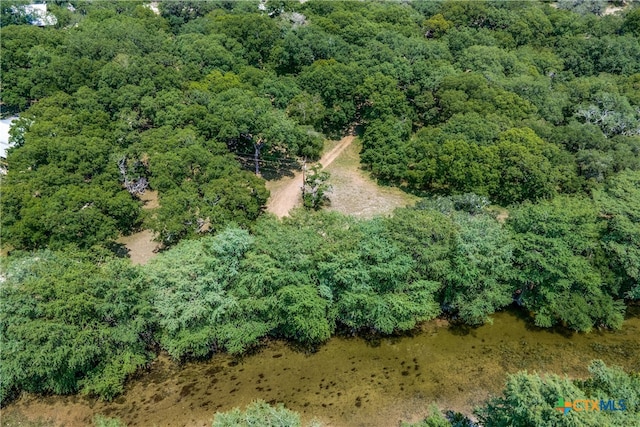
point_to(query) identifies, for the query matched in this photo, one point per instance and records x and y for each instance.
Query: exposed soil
(502, 215)
(355, 193)
(150, 199)
(286, 193)
(141, 245)
(612, 10)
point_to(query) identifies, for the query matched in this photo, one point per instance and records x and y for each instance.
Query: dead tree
(134, 186)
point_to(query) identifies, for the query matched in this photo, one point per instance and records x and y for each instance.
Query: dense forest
(480, 108)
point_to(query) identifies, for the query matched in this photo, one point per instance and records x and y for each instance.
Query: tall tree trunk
(256, 155)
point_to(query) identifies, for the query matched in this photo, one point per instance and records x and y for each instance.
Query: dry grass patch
(356, 193)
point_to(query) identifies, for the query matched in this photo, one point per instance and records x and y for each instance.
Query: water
(351, 381)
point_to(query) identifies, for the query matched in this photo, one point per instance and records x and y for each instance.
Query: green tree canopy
(68, 324)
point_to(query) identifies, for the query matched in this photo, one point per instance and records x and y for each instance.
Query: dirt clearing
(141, 245)
(286, 193)
(354, 192)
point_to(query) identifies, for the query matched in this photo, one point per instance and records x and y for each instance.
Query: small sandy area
(141, 245)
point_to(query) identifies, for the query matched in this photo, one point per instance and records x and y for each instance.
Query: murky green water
(352, 382)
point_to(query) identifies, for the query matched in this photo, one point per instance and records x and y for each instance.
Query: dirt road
(286, 193)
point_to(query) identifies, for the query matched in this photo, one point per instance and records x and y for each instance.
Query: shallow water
(353, 382)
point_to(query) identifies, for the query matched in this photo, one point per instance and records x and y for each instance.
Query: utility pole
(304, 177)
(257, 146)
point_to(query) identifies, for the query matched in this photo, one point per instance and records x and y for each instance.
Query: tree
(467, 92)
(373, 285)
(478, 283)
(380, 98)
(383, 148)
(197, 183)
(632, 22)
(528, 167)
(612, 113)
(336, 84)
(490, 60)
(436, 26)
(426, 235)
(68, 324)
(250, 126)
(556, 252)
(531, 400)
(315, 188)
(302, 45)
(179, 13)
(28, 52)
(257, 33)
(619, 204)
(307, 109)
(198, 306)
(303, 314)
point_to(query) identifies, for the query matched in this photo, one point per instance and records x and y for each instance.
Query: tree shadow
(374, 338)
(273, 168)
(525, 316)
(118, 249)
(633, 309)
(461, 329)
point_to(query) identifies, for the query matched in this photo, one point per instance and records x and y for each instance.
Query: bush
(67, 324)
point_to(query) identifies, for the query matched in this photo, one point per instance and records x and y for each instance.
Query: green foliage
(469, 203)
(514, 102)
(102, 421)
(197, 307)
(481, 266)
(445, 94)
(427, 236)
(531, 400)
(436, 26)
(65, 192)
(632, 22)
(69, 325)
(258, 413)
(198, 185)
(620, 204)
(556, 250)
(434, 419)
(372, 285)
(303, 314)
(336, 85)
(517, 165)
(476, 277)
(526, 165)
(328, 270)
(315, 188)
(307, 109)
(613, 381)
